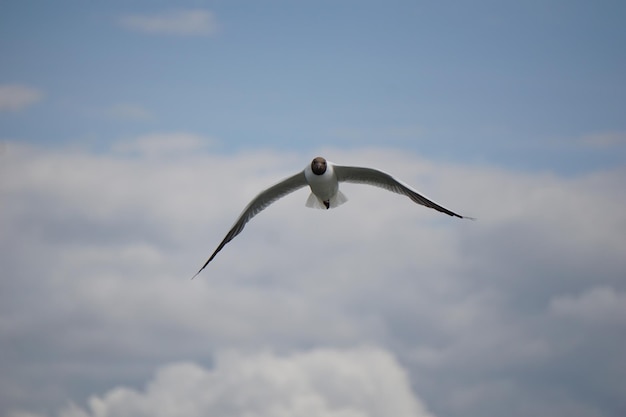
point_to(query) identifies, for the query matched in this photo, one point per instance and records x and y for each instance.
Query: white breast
(324, 186)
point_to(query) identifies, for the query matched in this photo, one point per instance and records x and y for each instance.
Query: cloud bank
(320, 383)
(518, 313)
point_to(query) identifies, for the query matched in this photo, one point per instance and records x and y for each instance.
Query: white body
(324, 187)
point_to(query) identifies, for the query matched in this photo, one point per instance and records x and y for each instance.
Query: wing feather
(258, 204)
(381, 179)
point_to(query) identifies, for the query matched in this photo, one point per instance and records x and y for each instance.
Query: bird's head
(318, 166)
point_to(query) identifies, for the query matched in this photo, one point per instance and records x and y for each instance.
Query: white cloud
(595, 305)
(127, 111)
(98, 251)
(361, 382)
(19, 413)
(604, 140)
(184, 23)
(163, 144)
(16, 97)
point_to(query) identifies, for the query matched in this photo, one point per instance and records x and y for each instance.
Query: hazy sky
(133, 133)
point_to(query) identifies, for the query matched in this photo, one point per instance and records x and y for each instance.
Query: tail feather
(338, 199)
(314, 202)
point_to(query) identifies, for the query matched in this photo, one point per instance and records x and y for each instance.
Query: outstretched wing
(259, 203)
(382, 179)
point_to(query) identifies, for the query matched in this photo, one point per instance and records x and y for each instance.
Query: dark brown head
(318, 166)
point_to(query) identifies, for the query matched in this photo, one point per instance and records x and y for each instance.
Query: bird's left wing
(382, 179)
(259, 203)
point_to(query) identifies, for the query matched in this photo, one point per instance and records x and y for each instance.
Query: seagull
(323, 177)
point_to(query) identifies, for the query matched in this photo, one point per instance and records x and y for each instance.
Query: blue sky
(132, 133)
(517, 84)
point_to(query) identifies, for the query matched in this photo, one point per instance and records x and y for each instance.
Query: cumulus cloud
(15, 97)
(97, 251)
(595, 305)
(319, 383)
(127, 111)
(604, 140)
(183, 23)
(163, 144)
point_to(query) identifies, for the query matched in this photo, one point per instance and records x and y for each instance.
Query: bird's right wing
(259, 203)
(382, 179)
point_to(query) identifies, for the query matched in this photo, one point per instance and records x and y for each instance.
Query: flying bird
(323, 177)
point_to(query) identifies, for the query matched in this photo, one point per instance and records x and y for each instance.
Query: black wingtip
(200, 270)
(206, 263)
(453, 214)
